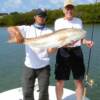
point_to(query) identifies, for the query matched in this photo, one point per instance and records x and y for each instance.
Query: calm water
(12, 58)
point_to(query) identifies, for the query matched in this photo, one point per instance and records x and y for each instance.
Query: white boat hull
(16, 94)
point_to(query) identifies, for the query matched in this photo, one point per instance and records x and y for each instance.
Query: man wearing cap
(36, 60)
(70, 58)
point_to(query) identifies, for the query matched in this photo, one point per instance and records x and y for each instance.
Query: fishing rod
(89, 82)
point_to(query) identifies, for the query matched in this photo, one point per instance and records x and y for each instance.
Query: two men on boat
(69, 58)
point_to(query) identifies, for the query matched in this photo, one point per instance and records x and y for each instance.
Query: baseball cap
(41, 12)
(68, 3)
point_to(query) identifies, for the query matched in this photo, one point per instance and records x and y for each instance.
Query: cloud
(56, 1)
(98, 0)
(27, 5)
(85, 1)
(75, 1)
(12, 3)
(2, 10)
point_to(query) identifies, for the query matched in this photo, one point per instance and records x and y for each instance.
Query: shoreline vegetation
(89, 13)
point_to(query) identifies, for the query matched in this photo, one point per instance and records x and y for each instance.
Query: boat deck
(16, 94)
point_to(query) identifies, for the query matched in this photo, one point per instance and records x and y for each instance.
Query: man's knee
(60, 82)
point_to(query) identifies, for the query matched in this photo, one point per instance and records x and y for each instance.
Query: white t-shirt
(36, 58)
(62, 23)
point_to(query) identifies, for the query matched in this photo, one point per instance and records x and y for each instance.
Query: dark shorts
(67, 60)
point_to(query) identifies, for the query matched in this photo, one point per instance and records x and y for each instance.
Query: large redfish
(56, 39)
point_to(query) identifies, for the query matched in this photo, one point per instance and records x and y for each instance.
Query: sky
(7, 6)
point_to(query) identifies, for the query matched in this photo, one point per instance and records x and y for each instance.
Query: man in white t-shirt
(70, 58)
(36, 60)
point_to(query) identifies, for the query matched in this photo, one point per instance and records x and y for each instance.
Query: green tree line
(88, 13)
